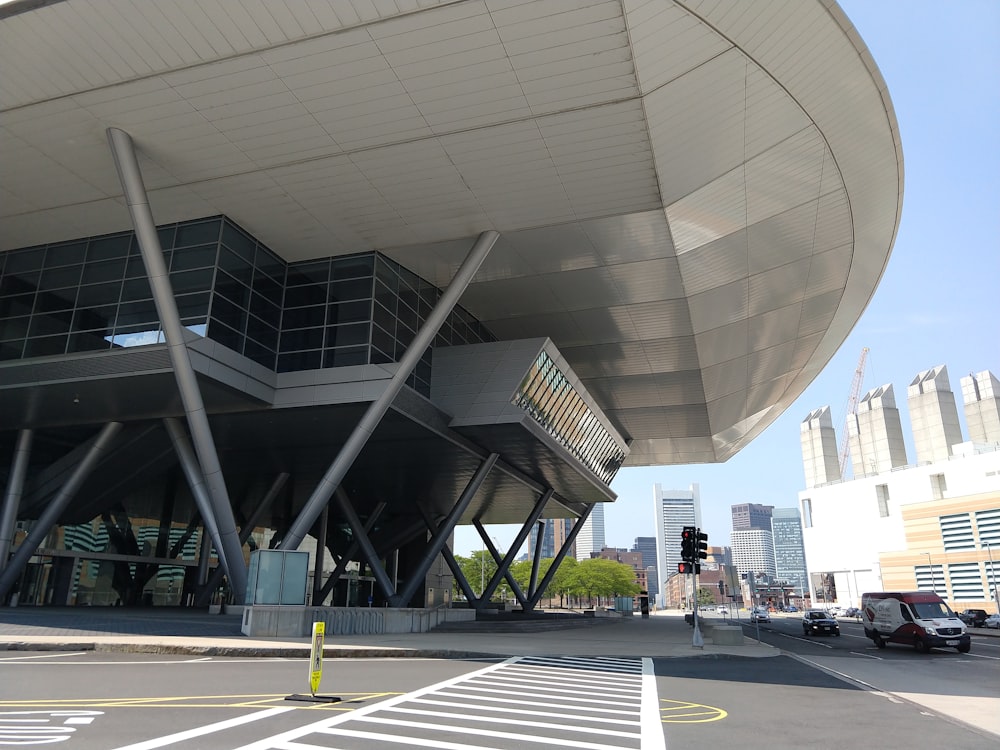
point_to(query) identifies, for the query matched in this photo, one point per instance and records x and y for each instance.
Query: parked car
(973, 618)
(760, 615)
(791, 608)
(819, 622)
(722, 610)
(993, 621)
(851, 612)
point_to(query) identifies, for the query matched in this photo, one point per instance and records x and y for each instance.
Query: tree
(705, 597)
(599, 578)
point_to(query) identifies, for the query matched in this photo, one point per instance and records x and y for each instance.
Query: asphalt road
(139, 702)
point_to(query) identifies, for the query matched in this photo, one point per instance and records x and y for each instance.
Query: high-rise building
(875, 433)
(751, 516)
(789, 550)
(933, 415)
(590, 540)
(674, 509)
(820, 457)
(753, 552)
(647, 546)
(554, 533)
(981, 395)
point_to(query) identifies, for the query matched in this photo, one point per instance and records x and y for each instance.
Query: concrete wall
(296, 622)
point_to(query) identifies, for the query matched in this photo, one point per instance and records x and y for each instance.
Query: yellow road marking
(690, 716)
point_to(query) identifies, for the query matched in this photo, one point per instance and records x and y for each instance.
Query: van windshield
(930, 610)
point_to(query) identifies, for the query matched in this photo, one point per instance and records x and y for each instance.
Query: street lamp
(993, 577)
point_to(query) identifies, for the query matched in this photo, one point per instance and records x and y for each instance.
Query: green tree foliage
(705, 597)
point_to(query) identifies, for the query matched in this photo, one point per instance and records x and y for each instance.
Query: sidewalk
(198, 633)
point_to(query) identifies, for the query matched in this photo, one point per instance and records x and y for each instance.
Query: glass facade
(93, 294)
(548, 396)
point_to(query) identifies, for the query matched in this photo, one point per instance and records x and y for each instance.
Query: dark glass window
(13, 306)
(264, 310)
(347, 335)
(192, 281)
(350, 312)
(133, 289)
(231, 289)
(65, 255)
(98, 294)
(352, 267)
(296, 361)
(88, 342)
(303, 317)
(13, 328)
(60, 299)
(237, 267)
(104, 271)
(56, 278)
(19, 261)
(201, 256)
(238, 241)
(224, 335)
(47, 325)
(46, 346)
(352, 289)
(193, 307)
(304, 338)
(230, 314)
(270, 264)
(106, 248)
(268, 287)
(378, 357)
(384, 318)
(11, 350)
(259, 354)
(95, 318)
(198, 233)
(134, 267)
(383, 340)
(261, 332)
(164, 234)
(313, 272)
(134, 313)
(352, 355)
(300, 296)
(19, 283)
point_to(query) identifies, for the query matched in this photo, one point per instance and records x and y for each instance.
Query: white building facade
(934, 525)
(590, 540)
(673, 510)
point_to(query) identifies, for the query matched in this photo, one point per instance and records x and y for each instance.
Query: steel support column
(503, 566)
(415, 577)
(352, 550)
(449, 558)
(536, 558)
(324, 519)
(377, 409)
(12, 497)
(56, 506)
(187, 384)
(196, 482)
(560, 556)
(367, 549)
(213, 581)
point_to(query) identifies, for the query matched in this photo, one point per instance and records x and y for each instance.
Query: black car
(819, 622)
(973, 618)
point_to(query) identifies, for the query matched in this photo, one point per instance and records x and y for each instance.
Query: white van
(917, 618)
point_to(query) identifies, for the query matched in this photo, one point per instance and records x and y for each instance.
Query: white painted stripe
(43, 656)
(521, 723)
(652, 724)
(528, 694)
(207, 729)
(270, 743)
(572, 675)
(521, 678)
(526, 712)
(400, 740)
(591, 689)
(511, 701)
(562, 741)
(589, 666)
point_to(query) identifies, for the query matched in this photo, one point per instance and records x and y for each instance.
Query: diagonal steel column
(415, 577)
(367, 549)
(187, 384)
(377, 409)
(449, 558)
(352, 550)
(536, 558)
(321, 551)
(215, 579)
(196, 482)
(12, 497)
(56, 506)
(503, 566)
(560, 556)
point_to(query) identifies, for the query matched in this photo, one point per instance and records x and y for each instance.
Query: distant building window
(966, 582)
(882, 494)
(988, 525)
(938, 486)
(956, 532)
(807, 512)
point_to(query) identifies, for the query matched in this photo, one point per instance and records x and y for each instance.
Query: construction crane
(852, 409)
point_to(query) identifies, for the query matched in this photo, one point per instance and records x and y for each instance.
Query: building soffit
(694, 211)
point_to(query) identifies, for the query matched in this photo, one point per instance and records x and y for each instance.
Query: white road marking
(42, 656)
(879, 658)
(207, 729)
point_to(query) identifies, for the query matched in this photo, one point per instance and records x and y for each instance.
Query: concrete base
(296, 622)
(727, 635)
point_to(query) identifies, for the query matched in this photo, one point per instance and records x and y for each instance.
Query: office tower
(875, 434)
(933, 415)
(590, 540)
(674, 509)
(647, 546)
(751, 516)
(554, 535)
(820, 458)
(789, 550)
(981, 397)
(753, 551)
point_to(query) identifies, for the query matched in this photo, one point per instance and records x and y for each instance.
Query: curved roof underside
(696, 199)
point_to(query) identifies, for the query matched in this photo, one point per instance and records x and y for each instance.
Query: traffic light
(722, 587)
(685, 567)
(688, 544)
(701, 545)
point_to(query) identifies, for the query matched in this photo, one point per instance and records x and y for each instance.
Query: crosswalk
(530, 701)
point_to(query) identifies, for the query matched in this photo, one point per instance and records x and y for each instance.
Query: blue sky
(939, 301)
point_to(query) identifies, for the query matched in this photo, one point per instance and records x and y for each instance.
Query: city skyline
(933, 306)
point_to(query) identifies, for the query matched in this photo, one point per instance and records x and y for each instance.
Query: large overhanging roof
(696, 199)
